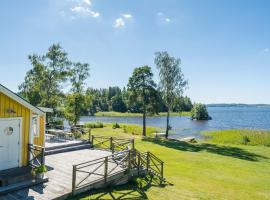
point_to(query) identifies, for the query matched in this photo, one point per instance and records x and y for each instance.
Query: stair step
(66, 145)
(15, 175)
(21, 185)
(67, 149)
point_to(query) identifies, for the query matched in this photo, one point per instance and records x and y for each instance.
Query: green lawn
(245, 136)
(119, 114)
(196, 171)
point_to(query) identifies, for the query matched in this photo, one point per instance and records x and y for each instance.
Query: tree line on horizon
(44, 86)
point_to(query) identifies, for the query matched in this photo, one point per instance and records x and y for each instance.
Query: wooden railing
(86, 173)
(111, 143)
(36, 155)
(101, 169)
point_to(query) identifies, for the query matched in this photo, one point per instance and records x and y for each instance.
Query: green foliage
(42, 84)
(94, 125)
(182, 104)
(41, 169)
(171, 83)
(142, 90)
(77, 134)
(246, 137)
(199, 112)
(116, 125)
(137, 129)
(73, 107)
(118, 104)
(74, 103)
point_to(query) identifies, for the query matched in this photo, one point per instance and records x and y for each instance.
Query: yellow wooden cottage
(21, 124)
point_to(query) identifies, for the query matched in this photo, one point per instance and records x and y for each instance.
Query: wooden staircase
(16, 179)
(67, 147)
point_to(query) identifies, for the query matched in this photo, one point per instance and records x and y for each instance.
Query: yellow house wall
(23, 112)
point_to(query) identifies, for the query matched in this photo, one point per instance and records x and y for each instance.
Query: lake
(250, 117)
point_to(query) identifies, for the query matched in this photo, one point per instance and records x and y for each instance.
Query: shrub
(41, 169)
(199, 112)
(94, 125)
(77, 134)
(116, 125)
(137, 129)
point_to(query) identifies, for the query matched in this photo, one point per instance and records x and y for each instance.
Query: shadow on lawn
(211, 148)
(135, 190)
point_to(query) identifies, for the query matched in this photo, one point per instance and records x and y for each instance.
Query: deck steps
(16, 179)
(10, 176)
(67, 148)
(21, 185)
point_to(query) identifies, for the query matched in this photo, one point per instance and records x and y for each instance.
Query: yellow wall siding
(20, 111)
(40, 139)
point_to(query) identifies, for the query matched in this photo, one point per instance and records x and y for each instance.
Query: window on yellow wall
(35, 126)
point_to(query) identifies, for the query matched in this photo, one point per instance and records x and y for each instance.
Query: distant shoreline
(237, 105)
(119, 114)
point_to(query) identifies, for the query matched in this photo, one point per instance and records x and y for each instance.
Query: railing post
(147, 161)
(105, 169)
(112, 148)
(132, 144)
(139, 163)
(161, 172)
(74, 180)
(89, 135)
(42, 156)
(92, 140)
(111, 143)
(129, 161)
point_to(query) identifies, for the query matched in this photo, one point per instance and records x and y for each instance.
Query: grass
(119, 114)
(246, 137)
(195, 171)
(127, 129)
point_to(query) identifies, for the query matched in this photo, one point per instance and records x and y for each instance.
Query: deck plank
(59, 174)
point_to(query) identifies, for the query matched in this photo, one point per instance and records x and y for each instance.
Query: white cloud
(167, 20)
(162, 18)
(80, 8)
(119, 22)
(88, 2)
(85, 11)
(127, 16)
(266, 50)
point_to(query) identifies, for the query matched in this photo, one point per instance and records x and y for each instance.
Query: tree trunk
(167, 126)
(144, 123)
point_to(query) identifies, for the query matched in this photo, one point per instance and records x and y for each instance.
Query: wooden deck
(60, 175)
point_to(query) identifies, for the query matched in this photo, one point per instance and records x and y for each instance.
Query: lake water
(222, 118)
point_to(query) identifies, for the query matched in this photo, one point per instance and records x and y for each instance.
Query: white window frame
(37, 125)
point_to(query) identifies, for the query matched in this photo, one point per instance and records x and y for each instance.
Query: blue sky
(224, 45)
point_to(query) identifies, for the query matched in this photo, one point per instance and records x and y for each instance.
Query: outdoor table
(58, 133)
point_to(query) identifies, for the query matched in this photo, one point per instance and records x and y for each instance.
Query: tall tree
(142, 90)
(43, 83)
(76, 99)
(172, 82)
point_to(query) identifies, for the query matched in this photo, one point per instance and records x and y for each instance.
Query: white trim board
(20, 100)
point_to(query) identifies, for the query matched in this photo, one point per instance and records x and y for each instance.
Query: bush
(41, 169)
(94, 125)
(137, 129)
(77, 134)
(199, 112)
(116, 125)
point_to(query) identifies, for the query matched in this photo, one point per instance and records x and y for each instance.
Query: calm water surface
(223, 118)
